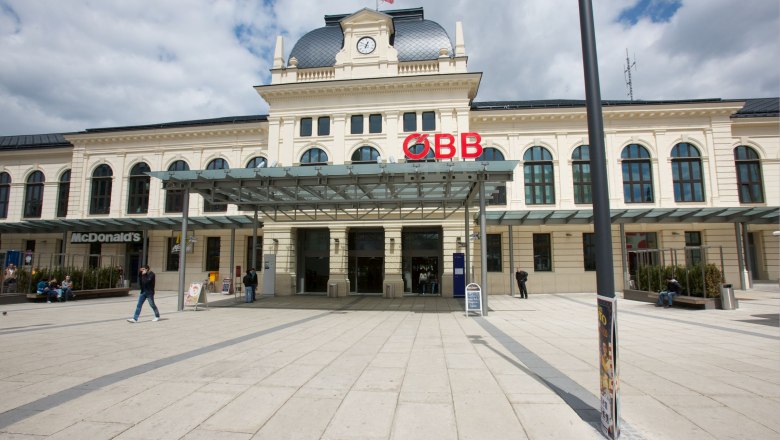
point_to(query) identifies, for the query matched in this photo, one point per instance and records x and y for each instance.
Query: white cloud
(80, 64)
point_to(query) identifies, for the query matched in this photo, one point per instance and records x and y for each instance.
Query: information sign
(196, 296)
(227, 286)
(473, 299)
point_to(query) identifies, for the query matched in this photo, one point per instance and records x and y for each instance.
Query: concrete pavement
(371, 368)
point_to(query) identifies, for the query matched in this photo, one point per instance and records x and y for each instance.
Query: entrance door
(133, 253)
(314, 260)
(422, 256)
(366, 260)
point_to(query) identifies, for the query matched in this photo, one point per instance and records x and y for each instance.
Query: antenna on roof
(627, 73)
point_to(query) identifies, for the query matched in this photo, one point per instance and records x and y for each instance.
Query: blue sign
(458, 275)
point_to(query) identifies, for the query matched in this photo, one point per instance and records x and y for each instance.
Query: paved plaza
(372, 368)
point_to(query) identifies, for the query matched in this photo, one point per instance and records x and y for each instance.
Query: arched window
(580, 169)
(493, 154)
(686, 173)
(138, 191)
(365, 154)
(33, 195)
(637, 174)
(314, 156)
(257, 162)
(63, 194)
(174, 198)
(100, 201)
(5, 190)
(539, 177)
(216, 164)
(749, 183)
(417, 149)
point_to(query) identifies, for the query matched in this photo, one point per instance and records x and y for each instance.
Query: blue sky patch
(658, 11)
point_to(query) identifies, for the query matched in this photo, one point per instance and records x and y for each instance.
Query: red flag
(388, 1)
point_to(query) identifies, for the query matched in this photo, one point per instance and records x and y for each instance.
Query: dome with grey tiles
(415, 39)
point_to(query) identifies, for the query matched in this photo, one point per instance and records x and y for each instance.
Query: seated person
(9, 275)
(54, 290)
(673, 287)
(67, 288)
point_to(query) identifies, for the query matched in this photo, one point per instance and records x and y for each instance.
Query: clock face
(366, 45)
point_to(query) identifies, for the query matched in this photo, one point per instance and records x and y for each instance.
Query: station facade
(682, 173)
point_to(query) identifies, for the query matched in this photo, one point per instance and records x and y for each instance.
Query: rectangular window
(94, 254)
(429, 121)
(258, 253)
(375, 123)
(172, 259)
(542, 253)
(410, 121)
(493, 252)
(589, 250)
(323, 126)
(212, 254)
(305, 126)
(356, 123)
(693, 256)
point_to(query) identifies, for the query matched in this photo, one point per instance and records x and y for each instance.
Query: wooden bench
(83, 294)
(683, 300)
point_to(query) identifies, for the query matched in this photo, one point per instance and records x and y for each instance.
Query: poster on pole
(473, 299)
(608, 366)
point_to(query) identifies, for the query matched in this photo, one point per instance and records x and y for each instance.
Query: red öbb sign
(444, 145)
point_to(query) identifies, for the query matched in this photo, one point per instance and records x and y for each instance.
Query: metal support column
(232, 268)
(467, 242)
(482, 244)
(511, 263)
(145, 250)
(183, 247)
(748, 259)
(624, 257)
(740, 256)
(254, 241)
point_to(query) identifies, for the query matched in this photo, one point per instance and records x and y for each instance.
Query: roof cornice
(168, 134)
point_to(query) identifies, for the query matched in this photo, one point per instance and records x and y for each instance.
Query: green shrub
(653, 279)
(83, 278)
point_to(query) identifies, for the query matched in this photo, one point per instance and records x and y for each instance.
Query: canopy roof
(125, 224)
(423, 190)
(763, 215)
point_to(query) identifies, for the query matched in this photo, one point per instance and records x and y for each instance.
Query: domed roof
(415, 39)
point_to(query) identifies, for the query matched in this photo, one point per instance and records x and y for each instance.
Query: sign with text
(106, 237)
(443, 145)
(473, 299)
(607, 324)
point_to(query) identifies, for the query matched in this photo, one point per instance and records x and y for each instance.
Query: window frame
(589, 251)
(174, 198)
(101, 186)
(356, 124)
(580, 167)
(211, 257)
(375, 120)
(429, 121)
(493, 252)
(373, 154)
(308, 162)
(410, 122)
(63, 194)
(639, 155)
(5, 193)
(305, 127)
(258, 253)
(33, 195)
(540, 187)
(686, 163)
(542, 243)
(498, 198)
(323, 126)
(747, 161)
(138, 185)
(172, 257)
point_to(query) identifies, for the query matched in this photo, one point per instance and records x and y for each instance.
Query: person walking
(521, 276)
(250, 284)
(147, 294)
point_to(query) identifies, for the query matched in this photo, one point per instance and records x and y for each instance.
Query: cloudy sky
(68, 65)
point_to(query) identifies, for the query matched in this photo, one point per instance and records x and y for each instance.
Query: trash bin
(727, 299)
(333, 290)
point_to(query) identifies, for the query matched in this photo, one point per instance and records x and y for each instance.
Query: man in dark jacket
(521, 276)
(250, 285)
(147, 294)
